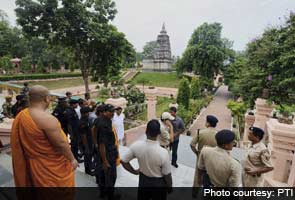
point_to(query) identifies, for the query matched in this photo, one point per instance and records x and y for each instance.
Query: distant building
(162, 59)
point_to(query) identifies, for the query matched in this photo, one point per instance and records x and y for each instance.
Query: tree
(183, 96)
(149, 49)
(268, 63)
(206, 52)
(83, 27)
(195, 88)
(238, 110)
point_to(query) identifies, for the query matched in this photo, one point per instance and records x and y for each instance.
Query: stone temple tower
(162, 59)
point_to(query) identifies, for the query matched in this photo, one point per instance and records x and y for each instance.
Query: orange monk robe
(35, 161)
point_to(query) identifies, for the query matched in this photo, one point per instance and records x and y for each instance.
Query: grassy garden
(58, 84)
(157, 79)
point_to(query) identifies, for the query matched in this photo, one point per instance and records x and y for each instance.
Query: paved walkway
(218, 108)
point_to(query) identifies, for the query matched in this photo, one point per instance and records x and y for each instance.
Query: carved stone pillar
(263, 111)
(249, 121)
(151, 95)
(282, 146)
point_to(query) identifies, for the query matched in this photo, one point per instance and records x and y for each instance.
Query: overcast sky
(141, 20)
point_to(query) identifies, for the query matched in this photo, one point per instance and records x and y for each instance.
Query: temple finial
(163, 27)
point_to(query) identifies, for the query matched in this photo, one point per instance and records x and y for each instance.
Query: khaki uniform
(222, 169)
(7, 109)
(258, 156)
(206, 137)
(164, 137)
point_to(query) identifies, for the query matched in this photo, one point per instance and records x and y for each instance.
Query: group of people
(217, 168)
(10, 110)
(42, 155)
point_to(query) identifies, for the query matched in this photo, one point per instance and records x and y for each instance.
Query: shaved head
(38, 93)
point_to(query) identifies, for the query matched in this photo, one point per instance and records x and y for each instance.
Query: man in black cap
(108, 152)
(216, 167)
(86, 136)
(204, 137)
(257, 162)
(73, 127)
(60, 113)
(21, 103)
(97, 160)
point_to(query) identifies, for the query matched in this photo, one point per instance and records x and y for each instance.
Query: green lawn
(158, 79)
(60, 83)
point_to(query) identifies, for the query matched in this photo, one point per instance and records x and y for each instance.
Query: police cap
(212, 120)
(85, 110)
(109, 107)
(19, 97)
(257, 132)
(61, 99)
(224, 137)
(73, 101)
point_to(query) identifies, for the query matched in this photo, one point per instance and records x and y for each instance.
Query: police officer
(60, 113)
(204, 137)
(257, 161)
(108, 152)
(86, 136)
(97, 160)
(7, 107)
(73, 127)
(216, 167)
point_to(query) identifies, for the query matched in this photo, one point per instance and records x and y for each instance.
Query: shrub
(195, 88)
(183, 93)
(37, 76)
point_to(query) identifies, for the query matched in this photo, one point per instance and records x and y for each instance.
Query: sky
(141, 20)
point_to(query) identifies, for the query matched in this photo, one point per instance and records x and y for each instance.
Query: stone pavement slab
(218, 108)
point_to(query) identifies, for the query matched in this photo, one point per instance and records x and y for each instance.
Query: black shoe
(89, 172)
(175, 165)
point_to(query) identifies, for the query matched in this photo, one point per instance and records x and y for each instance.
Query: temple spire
(163, 28)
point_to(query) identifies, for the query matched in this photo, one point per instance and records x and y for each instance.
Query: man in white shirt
(118, 122)
(154, 164)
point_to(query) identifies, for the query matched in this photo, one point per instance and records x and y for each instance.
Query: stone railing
(282, 146)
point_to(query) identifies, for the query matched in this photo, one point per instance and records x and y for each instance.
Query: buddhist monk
(41, 154)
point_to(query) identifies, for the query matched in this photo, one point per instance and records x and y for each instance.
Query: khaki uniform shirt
(164, 137)
(206, 137)
(223, 170)
(258, 156)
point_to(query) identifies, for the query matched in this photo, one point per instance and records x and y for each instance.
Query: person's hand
(75, 164)
(169, 190)
(137, 171)
(197, 153)
(251, 171)
(168, 123)
(106, 165)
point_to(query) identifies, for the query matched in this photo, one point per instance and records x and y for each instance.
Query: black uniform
(106, 136)
(73, 129)
(85, 131)
(60, 113)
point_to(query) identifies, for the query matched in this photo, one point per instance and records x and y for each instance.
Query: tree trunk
(85, 79)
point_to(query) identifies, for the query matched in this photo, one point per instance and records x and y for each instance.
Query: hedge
(37, 76)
